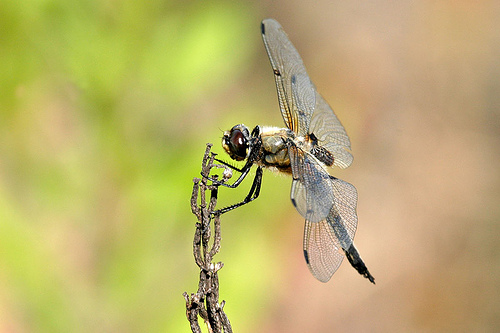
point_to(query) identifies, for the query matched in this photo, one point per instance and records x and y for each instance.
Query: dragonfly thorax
(274, 147)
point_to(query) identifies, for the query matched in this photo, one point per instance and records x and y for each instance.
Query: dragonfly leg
(244, 172)
(252, 195)
(230, 166)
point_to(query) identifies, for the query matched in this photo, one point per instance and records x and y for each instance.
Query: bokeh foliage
(103, 126)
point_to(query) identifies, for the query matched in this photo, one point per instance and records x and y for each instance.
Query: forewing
(321, 250)
(326, 241)
(304, 110)
(296, 93)
(330, 133)
(312, 191)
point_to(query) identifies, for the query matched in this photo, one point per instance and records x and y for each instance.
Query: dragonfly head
(235, 142)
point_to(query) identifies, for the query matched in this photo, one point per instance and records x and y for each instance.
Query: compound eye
(238, 144)
(237, 139)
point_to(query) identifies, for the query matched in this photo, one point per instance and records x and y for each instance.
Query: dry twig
(205, 302)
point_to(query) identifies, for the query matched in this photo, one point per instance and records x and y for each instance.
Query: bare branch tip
(204, 303)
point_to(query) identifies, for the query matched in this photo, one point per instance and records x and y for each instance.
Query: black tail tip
(369, 277)
(356, 262)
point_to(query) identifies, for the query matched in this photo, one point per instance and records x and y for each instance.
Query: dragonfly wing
(343, 221)
(296, 92)
(343, 218)
(326, 242)
(321, 250)
(312, 191)
(330, 133)
(303, 109)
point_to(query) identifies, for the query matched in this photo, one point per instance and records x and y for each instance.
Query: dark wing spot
(294, 78)
(306, 255)
(323, 155)
(313, 138)
(277, 72)
(263, 28)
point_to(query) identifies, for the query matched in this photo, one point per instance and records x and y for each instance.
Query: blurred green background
(105, 109)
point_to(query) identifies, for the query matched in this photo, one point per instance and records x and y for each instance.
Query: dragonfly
(313, 140)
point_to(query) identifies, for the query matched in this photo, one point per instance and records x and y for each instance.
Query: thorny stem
(205, 302)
